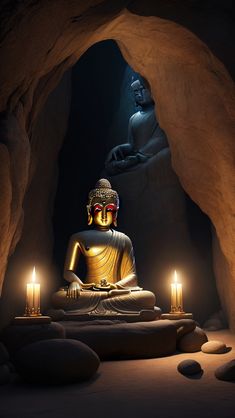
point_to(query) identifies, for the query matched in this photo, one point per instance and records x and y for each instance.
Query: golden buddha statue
(110, 287)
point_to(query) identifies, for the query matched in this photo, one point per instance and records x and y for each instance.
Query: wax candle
(33, 297)
(176, 295)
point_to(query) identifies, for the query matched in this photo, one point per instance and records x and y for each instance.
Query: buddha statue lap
(110, 287)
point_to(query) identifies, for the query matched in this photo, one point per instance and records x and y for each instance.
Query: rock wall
(194, 92)
(35, 234)
(14, 171)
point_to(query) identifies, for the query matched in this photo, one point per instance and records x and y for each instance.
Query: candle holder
(31, 320)
(177, 309)
(32, 312)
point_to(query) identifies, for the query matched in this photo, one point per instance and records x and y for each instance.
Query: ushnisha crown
(104, 193)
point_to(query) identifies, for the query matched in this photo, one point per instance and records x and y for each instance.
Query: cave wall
(35, 247)
(195, 96)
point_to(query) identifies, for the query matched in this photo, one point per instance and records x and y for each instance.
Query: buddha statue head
(103, 205)
(142, 93)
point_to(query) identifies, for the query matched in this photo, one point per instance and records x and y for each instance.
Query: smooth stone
(5, 374)
(56, 361)
(226, 371)
(4, 356)
(112, 340)
(214, 347)
(183, 326)
(16, 336)
(189, 367)
(192, 342)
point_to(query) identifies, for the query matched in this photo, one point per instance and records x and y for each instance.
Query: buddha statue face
(103, 205)
(142, 94)
(104, 215)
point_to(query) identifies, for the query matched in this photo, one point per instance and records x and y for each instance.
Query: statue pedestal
(143, 316)
(120, 340)
(177, 315)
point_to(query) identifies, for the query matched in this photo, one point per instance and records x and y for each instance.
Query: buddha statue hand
(73, 290)
(104, 285)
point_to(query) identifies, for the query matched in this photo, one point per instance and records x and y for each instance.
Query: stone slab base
(177, 316)
(29, 320)
(112, 340)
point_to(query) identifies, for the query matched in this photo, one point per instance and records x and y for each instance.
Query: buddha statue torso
(143, 126)
(108, 255)
(110, 286)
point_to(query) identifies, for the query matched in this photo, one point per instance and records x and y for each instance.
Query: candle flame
(34, 275)
(175, 276)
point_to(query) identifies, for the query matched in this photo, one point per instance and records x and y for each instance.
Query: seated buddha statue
(110, 286)
(145, 136)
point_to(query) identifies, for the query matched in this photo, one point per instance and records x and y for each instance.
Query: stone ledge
(118, 340)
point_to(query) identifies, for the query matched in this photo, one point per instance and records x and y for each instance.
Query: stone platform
(118, 339)
(112, 339)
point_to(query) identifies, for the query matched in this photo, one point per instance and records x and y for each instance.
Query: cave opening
(180, 237)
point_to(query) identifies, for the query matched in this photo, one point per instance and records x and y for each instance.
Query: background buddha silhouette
(145, 137)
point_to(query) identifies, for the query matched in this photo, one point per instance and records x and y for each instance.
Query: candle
(176, 295)
(33, 297)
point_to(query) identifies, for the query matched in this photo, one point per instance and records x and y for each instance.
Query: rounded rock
(189, 367)
(214, 347)
(192, 342)
(56, 361)
(226, 371)
(16, 336)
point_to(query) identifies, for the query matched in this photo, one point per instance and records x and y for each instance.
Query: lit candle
(176, 295)
(33, 297)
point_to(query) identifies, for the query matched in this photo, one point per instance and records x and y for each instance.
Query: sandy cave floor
(133, 388)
